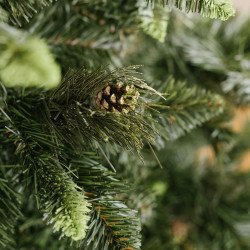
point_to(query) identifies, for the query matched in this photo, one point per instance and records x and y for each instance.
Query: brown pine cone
(117, 97)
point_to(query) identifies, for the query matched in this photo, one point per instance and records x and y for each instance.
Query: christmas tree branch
(9, 212)
(222, 9)
(185, 108)
(76, 56)
(80, 112)
(21, 11)
(92, 24)
(62, 201)
(113, 225)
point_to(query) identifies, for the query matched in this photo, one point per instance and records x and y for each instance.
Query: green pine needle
(219, 9)
(61, 200)
(21, 11)
(185, 108)
(153, 21)
(72, 115)
(9, 213)
(64, 203)
(113, 225)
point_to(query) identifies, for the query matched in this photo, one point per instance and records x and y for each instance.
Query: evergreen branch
(91, 28)
(236, 86)
(77, 56)
(154, 21)
(76, 119)
(186, 108)
(93, 25)
(206, 54)
(113, 225)
(97, 26)
(23, 10)
(9, 213)
(63, 203)
(222, 9)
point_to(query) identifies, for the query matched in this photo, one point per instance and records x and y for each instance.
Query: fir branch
(185, 108)
(113, 225)
(95, 27)
(63, 203)
(77, 56)
(79, 23)
(205, 53)
(222, 9)
(21, 11)
(76, 120)
(153, 21)
(9, 212)
(236, 86)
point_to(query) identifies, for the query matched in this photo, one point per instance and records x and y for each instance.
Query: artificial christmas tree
(76, 141)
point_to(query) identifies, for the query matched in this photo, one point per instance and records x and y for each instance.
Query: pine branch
(71, 214)
(9, 212)
(205, 53)
(21, 11)
(91, 29)
(96, 28)
(63, 203)
(77, 56)
(222, 9)
(236, 86)
(78, 23)
(154, 21)
(185, 108)
(113, 225)
(77, 118)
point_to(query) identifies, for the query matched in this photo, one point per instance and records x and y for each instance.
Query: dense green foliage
(80, 162)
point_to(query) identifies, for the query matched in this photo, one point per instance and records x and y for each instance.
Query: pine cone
(118, 97)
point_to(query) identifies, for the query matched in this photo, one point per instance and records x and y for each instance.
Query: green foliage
(55, 191)
(211, 201)
(205, 53)
(185, 108)
(9, 212)
(222, 54)
(237, 86)
(26, 61)
(81, 30)
(222, 9)
(113, 225)
(62, 202)
(154, 20)
(214, 55)
(51, 132)
(73, 116)
(23, 10)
